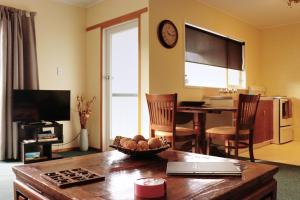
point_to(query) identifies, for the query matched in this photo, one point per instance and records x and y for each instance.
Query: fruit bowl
(150, 152)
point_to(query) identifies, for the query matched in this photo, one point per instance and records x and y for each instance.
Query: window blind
(208, 48)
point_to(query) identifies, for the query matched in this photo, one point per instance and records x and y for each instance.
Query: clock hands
(171, 33)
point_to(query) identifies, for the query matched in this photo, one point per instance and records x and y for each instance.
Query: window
(212, 60)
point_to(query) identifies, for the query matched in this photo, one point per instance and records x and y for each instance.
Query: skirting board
(256, 146)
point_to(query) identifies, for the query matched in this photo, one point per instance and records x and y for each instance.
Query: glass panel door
(121, 81)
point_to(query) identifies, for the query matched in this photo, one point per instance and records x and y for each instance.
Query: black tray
(72, 177)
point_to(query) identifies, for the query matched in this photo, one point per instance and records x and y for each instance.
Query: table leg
(196, 124)
(202, 133)
(199, 128)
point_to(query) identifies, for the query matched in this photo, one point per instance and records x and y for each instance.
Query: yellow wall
(107, 10)
(271, 54)
(167, 65)
(281, 66)
(99, 13)
(92, 84)
(60, 32)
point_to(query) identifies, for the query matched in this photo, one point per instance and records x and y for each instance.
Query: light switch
(59, 71)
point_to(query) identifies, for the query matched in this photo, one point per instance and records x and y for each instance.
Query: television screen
(38, 105)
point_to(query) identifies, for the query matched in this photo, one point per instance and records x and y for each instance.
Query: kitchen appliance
(282, 120)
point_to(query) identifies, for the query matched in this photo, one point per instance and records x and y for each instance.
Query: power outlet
(59, 71)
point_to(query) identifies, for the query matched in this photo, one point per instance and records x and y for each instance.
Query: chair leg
(227, 148)
(236, 149)
(236, 153)
(173, 142)
(251, 147)
(208, 145)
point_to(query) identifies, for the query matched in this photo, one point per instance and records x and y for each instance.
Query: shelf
(41, 143)
(39, 159)
(43, 158)
(29, 140)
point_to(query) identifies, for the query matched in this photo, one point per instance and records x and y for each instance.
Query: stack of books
(47, 137)
(32, 155)
(29, 141)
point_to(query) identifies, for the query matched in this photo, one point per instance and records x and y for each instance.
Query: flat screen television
(40, 105)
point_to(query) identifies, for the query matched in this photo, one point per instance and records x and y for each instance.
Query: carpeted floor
(7, 176)
(288, 181)
(6, 179)
(288, 178)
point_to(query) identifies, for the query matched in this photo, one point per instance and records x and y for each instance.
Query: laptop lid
(204, 168)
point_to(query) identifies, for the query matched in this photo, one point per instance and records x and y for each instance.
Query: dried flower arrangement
(84, 110)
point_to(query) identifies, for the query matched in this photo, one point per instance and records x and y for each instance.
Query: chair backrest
(247, 109)
(162, 111)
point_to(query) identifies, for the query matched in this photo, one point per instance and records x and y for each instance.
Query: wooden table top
(121, 171)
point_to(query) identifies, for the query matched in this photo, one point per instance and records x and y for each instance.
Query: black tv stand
(37, 138)
(42, 123)
(36, 123)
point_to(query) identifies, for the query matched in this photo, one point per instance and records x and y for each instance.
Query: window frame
(241, 86)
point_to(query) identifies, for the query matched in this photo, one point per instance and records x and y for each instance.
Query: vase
(84, 140)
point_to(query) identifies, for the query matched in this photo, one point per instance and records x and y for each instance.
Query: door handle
(107, 77)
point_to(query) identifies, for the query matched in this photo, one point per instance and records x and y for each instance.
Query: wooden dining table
(199, 121)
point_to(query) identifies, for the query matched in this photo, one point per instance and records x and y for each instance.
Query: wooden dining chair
(240, 135)
(162, 112)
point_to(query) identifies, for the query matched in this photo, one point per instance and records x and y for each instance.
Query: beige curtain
(18, 70)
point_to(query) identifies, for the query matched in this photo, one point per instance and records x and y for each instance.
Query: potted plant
(84, 111)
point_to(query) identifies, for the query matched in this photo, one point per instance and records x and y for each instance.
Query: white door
(120, 81)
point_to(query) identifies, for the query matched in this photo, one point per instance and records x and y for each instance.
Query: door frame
(105, 86)
(100, 26)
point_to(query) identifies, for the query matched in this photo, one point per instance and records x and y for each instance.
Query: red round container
(150, 188)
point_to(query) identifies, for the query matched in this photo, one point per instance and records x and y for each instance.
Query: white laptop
(204, 168)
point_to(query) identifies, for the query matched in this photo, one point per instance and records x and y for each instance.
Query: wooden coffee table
(121, 171)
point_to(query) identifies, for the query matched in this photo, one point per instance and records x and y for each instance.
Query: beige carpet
(284, 153)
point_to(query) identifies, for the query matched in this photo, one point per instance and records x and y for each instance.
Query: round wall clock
(167, 33)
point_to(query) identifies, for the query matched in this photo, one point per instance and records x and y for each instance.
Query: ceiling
(260, 13)
(81, 3)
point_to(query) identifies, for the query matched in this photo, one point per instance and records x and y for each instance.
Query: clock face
(167, 34)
